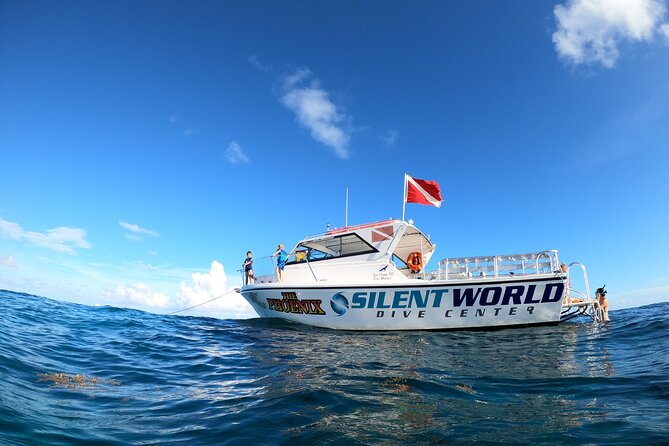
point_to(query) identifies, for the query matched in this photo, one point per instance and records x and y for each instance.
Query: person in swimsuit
(602, 304)
(281, 257)
(248, 268)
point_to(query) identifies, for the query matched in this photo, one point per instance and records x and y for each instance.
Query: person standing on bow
(281, 257)
(248, 268)
(602, 304)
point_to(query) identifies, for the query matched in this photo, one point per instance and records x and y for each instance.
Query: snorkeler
(602, 304)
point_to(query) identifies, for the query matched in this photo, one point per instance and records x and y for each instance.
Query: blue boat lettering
(398, 299)
(492, 296)
(509, 295)
(479, 312)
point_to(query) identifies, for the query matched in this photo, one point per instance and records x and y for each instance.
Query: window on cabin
(330, 248)
(399, 262)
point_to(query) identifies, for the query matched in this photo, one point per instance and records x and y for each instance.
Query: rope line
(236, 290)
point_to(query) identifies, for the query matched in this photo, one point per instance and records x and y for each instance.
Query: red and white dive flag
(422, 191)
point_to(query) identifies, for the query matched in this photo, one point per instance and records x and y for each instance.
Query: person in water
(281, 256)
(248, 268)
(602, 304)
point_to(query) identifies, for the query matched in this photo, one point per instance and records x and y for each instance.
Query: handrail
(311, 269)
(590, 307)
(585, 277)
(258, 261)
(499, 265)
(551, 259)
(306, 259)
(580, 293)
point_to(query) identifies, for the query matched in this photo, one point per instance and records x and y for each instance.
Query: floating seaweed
(74, 382)
(465, 388)
(398, 384)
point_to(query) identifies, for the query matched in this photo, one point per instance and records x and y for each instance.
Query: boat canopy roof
(381, 239)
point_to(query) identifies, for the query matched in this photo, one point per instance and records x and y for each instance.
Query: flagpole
(346, 222)
(404, 198)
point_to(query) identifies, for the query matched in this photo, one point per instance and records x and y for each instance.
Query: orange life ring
(415, 261)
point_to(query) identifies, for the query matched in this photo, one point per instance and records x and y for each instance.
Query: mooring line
(236, 290)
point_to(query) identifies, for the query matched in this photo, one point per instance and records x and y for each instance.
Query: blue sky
(146, 146)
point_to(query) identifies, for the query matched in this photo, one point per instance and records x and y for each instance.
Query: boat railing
(301, 256)
(264, 268)
(544, 262)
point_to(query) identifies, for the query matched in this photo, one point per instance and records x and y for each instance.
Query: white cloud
(177, 121)
(255, 61)
(135, 232)
(590, 31)
(664, 30)
(204, 287)
(132, 227)
(390, 139)
(315, 111)
(8, 261)
(61, 239)
(235, 154)
(136, 296)
(210, 285)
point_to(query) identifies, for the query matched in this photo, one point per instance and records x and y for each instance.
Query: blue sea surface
(74, 374)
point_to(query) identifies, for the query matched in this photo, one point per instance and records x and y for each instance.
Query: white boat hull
(414, 305)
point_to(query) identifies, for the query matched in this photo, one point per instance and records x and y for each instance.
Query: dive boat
(373, 277)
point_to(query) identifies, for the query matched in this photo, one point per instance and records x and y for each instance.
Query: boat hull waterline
(430, 305)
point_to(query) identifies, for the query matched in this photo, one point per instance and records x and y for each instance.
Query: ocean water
(73, 374)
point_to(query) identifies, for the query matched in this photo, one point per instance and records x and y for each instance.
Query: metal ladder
(578, 303)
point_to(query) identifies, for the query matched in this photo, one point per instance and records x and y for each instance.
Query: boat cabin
(385, 250)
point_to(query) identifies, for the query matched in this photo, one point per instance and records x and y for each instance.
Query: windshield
(330, 248)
